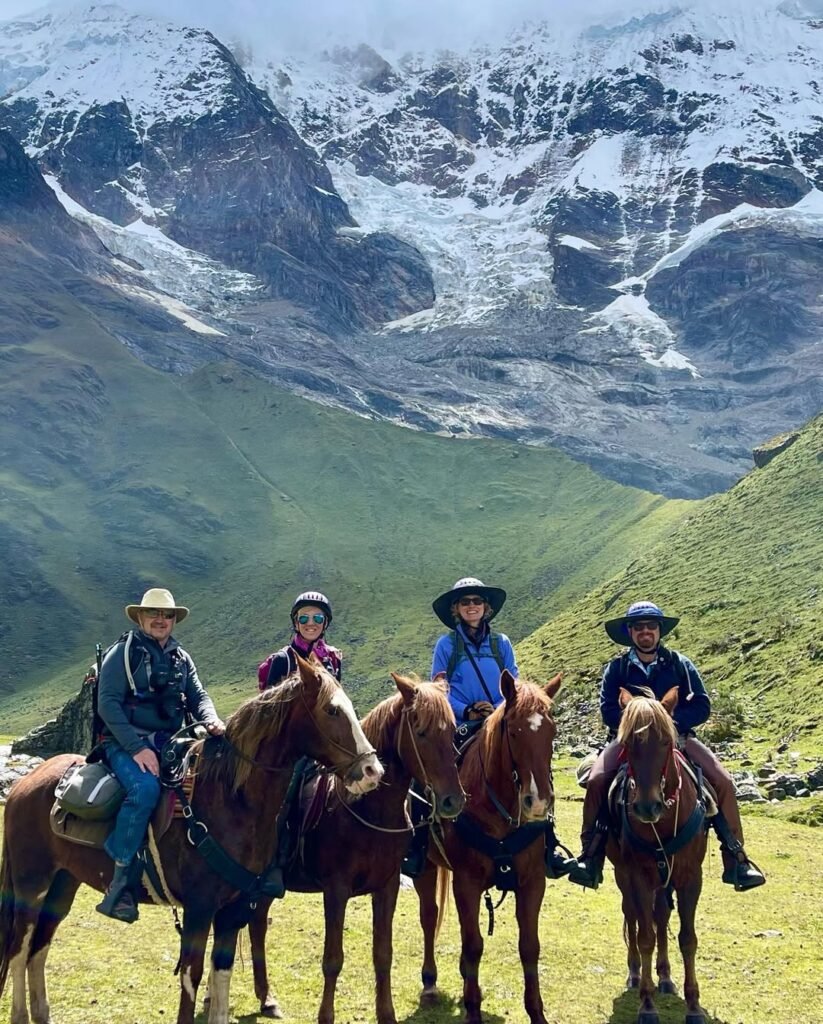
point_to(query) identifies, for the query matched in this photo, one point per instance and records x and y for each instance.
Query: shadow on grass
(445, 1010)
(672, 1009)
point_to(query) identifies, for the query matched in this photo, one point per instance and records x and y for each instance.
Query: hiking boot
(119, 901)
(743, 875)
(588, 871)
(557, 863)
(414, 862)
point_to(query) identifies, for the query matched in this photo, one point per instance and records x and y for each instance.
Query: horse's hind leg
(426, 888)
(55, 907)
(258, 926)
(26, 914)
(662, 913)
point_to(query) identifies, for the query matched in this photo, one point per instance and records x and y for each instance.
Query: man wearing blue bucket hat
(648, 664)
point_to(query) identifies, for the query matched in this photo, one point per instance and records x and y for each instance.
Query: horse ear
(625, 696)
(670, 699)
(554, 684)
(309, 676)
(406, 687)
(508, 685)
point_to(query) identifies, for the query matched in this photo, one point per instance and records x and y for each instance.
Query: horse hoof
(667, 987)
(272, 1011)
(430, 997)
(696, 1017)
(648, 1017)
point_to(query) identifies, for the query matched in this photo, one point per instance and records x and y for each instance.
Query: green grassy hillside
(744, 570)
(236, 496)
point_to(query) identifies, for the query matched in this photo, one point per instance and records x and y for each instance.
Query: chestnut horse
(660, 849)
(506, 772)
(358, 848)
(241, 782)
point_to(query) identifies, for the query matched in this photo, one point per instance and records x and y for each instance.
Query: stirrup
(744, 875)
(557, 866)
(587, 872)
(119, 902)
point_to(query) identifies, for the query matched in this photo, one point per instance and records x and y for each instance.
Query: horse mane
(257, 719)
(431, 705)
(529, 698)
(644, 717)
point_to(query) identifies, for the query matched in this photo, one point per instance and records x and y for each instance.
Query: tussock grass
(759, 962)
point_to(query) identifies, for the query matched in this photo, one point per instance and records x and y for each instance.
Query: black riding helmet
(310, 597)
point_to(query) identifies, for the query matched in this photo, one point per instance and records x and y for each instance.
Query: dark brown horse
(660, 849)
(357, 847)
(240, 787)
(506, 773)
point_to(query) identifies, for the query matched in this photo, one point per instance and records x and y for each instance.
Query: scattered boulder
(764, 453)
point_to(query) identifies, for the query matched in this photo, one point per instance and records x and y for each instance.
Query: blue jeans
(142, 793)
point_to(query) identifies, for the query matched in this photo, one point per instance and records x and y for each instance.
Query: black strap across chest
(500, 851)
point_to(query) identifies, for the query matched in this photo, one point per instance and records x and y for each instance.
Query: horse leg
(196, 926)
(529, 899)
(629, 930)
(426, 887)
(55, 907)
(687, 898)
(662, 913)
(334, 907)
(21, 913)
(383, 903)
(467, 900)
(644, 904)
(226, 928)
(258, 926)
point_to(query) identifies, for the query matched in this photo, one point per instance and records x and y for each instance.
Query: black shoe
(119, 901)
(557, 863)
(587, 872)
(744, 875)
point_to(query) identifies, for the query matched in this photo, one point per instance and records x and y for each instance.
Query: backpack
(680, 671)
(459, 651)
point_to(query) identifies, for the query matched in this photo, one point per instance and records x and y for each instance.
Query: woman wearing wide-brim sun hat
(470, 655)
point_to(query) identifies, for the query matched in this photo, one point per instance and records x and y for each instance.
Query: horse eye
(421, 733)
(333, 710)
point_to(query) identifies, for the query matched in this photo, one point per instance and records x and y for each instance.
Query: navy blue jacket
(693, 706)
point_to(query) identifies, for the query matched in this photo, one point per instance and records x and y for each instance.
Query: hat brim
(495, 596)
(133, 610)
(617, 629)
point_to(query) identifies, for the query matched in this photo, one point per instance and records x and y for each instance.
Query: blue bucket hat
(618, 629)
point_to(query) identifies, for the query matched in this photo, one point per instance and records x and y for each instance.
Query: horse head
(524, 728)
(425, 743)
(648, 736)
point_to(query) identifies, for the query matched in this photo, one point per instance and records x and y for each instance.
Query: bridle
(516, 780)
(673, 756)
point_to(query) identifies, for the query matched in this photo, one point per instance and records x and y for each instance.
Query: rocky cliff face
(142, 120)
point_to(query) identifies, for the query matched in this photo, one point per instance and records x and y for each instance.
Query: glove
(480, 709)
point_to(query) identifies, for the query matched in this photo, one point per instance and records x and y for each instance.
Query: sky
(395, 24)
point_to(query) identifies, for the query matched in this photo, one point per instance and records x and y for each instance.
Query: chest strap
(500, 851)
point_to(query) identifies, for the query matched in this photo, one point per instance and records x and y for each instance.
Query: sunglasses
(159, 613)
(317, 619)
(465, 602)
(652, 624)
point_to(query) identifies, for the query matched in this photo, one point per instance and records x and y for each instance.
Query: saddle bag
(89, 791)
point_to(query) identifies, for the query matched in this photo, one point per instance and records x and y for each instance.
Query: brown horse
(240, 786)
(660, 849)
(506, 772)
(357, 848)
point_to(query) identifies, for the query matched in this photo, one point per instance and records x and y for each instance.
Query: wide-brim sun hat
(157, 597)
(618, 629)
(495, 596)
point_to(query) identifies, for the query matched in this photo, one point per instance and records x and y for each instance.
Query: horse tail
(443, 889)
(6, 914)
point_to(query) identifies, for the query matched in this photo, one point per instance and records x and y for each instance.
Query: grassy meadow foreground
(760, 958)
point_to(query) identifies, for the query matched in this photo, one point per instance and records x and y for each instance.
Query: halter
(515, 777)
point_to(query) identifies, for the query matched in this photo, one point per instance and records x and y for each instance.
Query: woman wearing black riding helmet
(311, 615)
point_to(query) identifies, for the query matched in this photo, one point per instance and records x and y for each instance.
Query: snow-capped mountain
(605, 238)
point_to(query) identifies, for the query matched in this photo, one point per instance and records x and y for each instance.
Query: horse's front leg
(662, 913)
(258, 926)
(529, 899)
(196, 925)
(227, 923)
(426, 888)
(630, 919)
(643, 896)
(334, 907)
(687, 898)
(383, 903)
(467, 900)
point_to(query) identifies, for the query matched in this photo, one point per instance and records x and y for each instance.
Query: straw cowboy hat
(495, 596)
(618, 629)
(157, 597)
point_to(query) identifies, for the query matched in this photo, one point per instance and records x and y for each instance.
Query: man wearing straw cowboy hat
(649, 665)
(148, 685)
